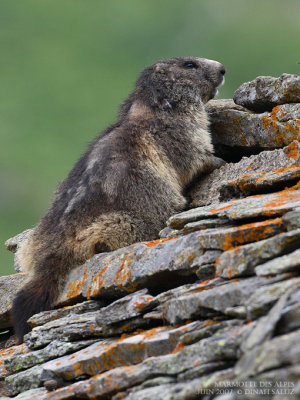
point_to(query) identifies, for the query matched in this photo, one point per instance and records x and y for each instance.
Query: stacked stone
(202, 312)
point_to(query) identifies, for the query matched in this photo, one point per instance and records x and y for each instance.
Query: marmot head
(179, 82)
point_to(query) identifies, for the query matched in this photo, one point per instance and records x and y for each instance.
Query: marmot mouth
(220, 84)
(223, 81)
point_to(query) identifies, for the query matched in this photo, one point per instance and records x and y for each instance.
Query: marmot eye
(190, 64)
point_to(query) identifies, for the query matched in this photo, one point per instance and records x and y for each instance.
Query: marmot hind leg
(110, 232)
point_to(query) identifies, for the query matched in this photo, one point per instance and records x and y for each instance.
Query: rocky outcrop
(209, 309)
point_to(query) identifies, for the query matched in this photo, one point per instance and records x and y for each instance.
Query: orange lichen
(210, 322)
(178, 348)
(75, 287)
(291, 150)
(216, 210)
(154, 243)
(97, 283)
(124, 272)
(281, 129)
(142, 302)
(251, 232)
(284, 197)
(252, 180)
(203, 287)
(14, 350)
(230, 273)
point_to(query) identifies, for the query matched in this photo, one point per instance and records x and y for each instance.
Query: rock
(25, 380)
(237, 127)
(265, 205)
(195, 226)
(292, 219)
(180, 391)
(18, 362)
(260, 302)
(5, 354)
(36, 394)
(202, 369)
(109, 354)
(13, 244)
(210, 302)
(290, 319)
(283, 380)
(133, 268)
(266, 325)
(125, 308)
(228, 238)
(260, 182)
(104, 384)
(286, 263)
(208, 328)
(152, 370)
(265, 92)
(254, 174)
(280, 351)
(242, 260)
(69, 328)
(52, 315)
(9, 285)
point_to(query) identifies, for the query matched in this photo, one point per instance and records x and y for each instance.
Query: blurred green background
(66, 65)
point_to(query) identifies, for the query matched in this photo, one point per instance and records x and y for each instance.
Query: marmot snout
(128, 183)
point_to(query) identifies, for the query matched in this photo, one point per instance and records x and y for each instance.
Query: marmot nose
(222, 70)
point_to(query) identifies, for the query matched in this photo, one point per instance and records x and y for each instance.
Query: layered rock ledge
(210, 306)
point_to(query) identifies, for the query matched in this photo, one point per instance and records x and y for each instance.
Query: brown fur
(129, 181)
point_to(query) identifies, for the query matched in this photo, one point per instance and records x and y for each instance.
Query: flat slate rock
(112, 353)
(125, 308)
(18, 362)
(235, 126)
(260, 302)
(9, 285)
(286, 263)
(236, 179)
(66, 329)
(53, 315)
(212, 301)
(292, 219)
(14, 243)
(242, 260)
(199, 357)
(265, 92)
(127, 270)
(277, 352)
(264, 205)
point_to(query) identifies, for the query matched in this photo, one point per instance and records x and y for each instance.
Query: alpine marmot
(128, 183)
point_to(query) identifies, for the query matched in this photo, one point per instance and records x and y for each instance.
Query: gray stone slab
(234, 179)
(212, 301)
(242, 260)
(281, 350)
(125, 308)
(235, 126)
(9, 285)
(286, 263)
(265, 92)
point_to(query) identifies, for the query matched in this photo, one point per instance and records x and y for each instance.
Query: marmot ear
(159, 67)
